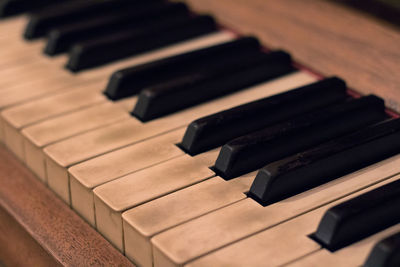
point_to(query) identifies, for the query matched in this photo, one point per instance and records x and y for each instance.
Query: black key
(215, 130)
(255, 150)
(128, 43)
(360, 217)
(15, 7)
(386, 253)
(197, 88)
(63, 37)
(74, 11)
(306, 170)
(130, 81)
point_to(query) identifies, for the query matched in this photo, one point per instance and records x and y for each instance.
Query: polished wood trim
(52, 224)
(330, 38)
(18, 248)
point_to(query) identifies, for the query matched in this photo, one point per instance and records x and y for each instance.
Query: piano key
(113, 198)
(386, 253)
(130, 81)
(24, 94)
(246, 217)
(254, 150)
(43, 20)
(83, 178)
(52, 130)
(344, 224)
(12, 137)
(151, 218)
(196, 88)
(67, 153)
(53, 105)
(60, 39)
(51, 84)
(30, 118)
(333, 159)
(15, 7)
(256, 250)
(215, 130)
(350, 256)
(104, 50)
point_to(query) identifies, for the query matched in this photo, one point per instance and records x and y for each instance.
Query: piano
(154, 134)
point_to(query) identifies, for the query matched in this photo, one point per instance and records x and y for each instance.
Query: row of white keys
(247, 217)
(77, 149)
(286, 243)
(351, 256)
(62, 101)
(143, 222)
(90, 174)
(57, 79)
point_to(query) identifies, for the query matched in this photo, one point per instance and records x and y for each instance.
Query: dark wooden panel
(63, 234)
(328, 37)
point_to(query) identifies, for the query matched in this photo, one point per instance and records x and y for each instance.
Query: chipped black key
(255, 150)
(327, 162)
(159, 33)
(62, 38)
(360, 217)
(386, 253)
(130, 81)
(193, 89)
(215, 130)
(73, 11)
(15, 7)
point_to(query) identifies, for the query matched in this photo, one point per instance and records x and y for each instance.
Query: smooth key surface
(17, 117)
(126, 43)
(216, 129)
(71, 151)
(113, 198)
(254, 150)
(354, 255)
(131, 80)
(42, 21)
(144, 221)
(300, 172)
(61, 38)
(14, 7)
(386, 253)
(278, 245)
(247, 217)
(196, 88)
(52, 130)
(345, 224)
(84, 177)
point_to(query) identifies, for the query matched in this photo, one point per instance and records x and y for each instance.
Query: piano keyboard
(185, 144)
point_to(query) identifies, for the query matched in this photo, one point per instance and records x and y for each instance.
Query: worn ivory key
(69, 152)
(134, 189)
(16, 118)
(19, 116)
(247, 217)
(16, 95)
(34, 138)
(141, 223)
(278, 245)
(84, 177)
(353, 255)
(64, 80)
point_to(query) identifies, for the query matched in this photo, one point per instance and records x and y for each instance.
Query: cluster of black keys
(298, 139)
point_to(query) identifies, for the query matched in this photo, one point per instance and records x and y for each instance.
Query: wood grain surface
(330, 38)
(52, 224)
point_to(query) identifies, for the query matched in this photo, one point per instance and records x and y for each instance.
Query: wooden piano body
(38, 229)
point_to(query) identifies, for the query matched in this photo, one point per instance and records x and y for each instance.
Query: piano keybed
(123, 165)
